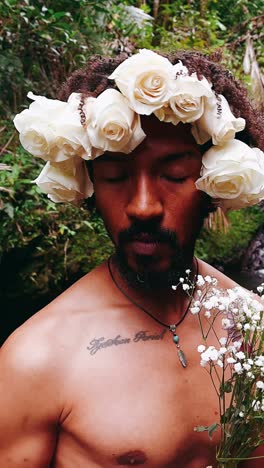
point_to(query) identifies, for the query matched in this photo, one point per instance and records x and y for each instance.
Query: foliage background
(45, 247)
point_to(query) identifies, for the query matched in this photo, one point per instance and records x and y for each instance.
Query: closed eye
(116, 179)
(177, 180)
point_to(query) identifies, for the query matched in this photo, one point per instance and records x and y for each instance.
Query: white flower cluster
(232, 172)
(241, 350)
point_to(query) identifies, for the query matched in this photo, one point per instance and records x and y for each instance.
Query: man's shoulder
(49, 334)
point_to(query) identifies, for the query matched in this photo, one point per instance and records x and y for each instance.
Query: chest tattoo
(96, 344)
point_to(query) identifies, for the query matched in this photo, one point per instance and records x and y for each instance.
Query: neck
(163, 303)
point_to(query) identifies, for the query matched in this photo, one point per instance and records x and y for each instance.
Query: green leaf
(212, 429)
(200, 428)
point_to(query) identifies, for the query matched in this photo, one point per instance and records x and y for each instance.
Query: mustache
(149, 232)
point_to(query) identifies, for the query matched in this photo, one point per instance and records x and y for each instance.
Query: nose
(144, 203)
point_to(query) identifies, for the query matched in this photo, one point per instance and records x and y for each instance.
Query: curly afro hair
(93, 80)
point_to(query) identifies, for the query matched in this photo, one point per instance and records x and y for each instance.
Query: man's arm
(29, 407)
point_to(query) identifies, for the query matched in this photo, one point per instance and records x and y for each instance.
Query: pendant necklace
(171, 327)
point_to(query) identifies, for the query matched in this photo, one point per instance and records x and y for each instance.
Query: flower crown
(232, 172)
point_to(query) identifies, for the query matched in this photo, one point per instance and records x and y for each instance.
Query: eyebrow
(176, 156)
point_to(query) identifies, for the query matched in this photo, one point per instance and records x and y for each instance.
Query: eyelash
(116, 179)
(177, 180)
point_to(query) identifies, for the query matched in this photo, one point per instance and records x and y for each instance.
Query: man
(97, 378)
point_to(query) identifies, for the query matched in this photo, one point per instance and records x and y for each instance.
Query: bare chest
(133, 403)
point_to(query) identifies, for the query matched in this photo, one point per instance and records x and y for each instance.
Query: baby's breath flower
(241, 414)
(208, 279)
(223, 340)
(226, 323)
(237, 344)
(207, 314)
(260, 385)
(201, 348)
(256, 405)
(200, 281)
(238, 368)
(246, 366)
(185, 287)
(195, 310)
(240, 355)
(230, 360)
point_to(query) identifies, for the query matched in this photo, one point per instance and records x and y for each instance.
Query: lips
(144, 244)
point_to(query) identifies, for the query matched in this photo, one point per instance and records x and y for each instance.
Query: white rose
(166, 114)
(217, 122)
(51, 129)
(146, 79)
(189, 97)
(234, 174)
(112, 125)
(66, 181)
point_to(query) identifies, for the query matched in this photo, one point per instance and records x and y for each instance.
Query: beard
(147, 276)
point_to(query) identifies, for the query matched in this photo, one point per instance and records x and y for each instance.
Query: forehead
(162, 140)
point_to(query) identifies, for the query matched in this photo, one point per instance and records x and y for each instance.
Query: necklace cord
(142, 308)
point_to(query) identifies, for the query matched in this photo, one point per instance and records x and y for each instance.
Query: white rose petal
(166, 114)
(189, 97)
(233, 174)
(51, 129)
(217, 122)
(112, 125)
(66, 181)
(146, 79)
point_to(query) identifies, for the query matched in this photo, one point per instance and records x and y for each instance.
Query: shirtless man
(94, 380)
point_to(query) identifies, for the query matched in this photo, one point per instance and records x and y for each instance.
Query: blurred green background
(44, 247)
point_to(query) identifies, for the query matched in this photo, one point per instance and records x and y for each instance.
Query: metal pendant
(182, 358)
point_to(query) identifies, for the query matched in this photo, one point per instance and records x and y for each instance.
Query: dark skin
(91, 380)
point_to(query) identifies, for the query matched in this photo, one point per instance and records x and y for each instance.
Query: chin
(148, 271)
